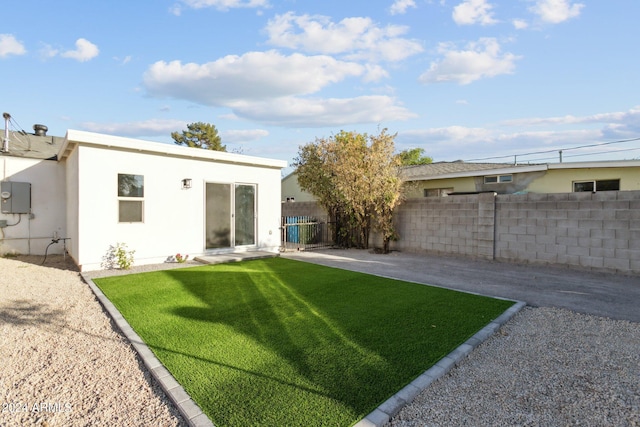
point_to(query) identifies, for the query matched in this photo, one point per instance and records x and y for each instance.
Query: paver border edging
(189, 410)
(383, 413)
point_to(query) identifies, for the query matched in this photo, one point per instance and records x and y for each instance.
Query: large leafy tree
(200, 135)
(414, 156)
(355, 177)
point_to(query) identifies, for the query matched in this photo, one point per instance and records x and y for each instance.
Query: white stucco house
(159, 199)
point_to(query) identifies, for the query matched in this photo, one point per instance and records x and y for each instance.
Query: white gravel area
(545, 367)
(62, 363)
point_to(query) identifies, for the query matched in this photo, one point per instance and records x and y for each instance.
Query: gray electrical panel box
(15, 197)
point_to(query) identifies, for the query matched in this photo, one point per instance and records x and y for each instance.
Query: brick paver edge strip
(189, 410)
(383, 413)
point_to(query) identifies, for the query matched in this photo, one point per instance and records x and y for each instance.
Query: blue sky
(463, 79)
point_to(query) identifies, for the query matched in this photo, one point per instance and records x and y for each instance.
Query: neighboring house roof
(75, 138)
(457, 169)
(28, 145)
(444, 170)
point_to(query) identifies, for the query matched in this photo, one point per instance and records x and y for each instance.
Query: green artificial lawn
(281, 342)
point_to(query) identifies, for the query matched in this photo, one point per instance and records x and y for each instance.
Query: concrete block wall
(596, 231)
(460, 225)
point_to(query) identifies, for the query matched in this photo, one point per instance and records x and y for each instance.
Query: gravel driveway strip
(545, 367)
(63, 363)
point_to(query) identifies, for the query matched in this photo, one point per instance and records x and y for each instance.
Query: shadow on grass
(282, 342)
(322, 358)
(242, 371)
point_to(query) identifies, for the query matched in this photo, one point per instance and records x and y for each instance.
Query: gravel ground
(61, 361)
(545, 367)
(63, 364)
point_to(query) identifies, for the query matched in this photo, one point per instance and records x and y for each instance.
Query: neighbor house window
(437, 192)
(593, 186)
(495, 179)
(130, 197)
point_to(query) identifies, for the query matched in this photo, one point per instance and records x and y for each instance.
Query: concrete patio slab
(234, 257)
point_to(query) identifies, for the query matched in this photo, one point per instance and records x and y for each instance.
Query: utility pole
(5, 141)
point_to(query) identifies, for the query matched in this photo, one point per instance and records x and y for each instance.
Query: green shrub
(118, 256)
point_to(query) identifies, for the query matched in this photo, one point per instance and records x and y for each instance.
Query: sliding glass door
(230, 215)
(245, 215)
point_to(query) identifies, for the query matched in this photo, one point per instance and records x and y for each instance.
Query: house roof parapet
(76, 138)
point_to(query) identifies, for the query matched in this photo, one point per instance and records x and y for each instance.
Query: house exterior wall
(415, 189)
(521, 182)
(31, 234)
(561, 180)
(174, 218)
(72, 186)
(291, 189)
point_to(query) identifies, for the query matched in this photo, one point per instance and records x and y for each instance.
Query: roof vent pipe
(41, 130)
(5, 141)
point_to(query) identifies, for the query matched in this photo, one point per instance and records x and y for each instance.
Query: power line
(558, 150)
(586, 154)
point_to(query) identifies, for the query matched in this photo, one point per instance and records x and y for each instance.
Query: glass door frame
(232, 208)
(254, 215)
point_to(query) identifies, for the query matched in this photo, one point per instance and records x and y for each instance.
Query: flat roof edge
(137, 145)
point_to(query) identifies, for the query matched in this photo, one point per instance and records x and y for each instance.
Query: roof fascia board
(103, 141)
(481, 172)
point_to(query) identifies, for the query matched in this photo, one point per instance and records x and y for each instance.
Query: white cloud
(556, 11)
(124, 60)
(356, 38)
(241, 136)
(151, 127)
(220, 4)
(452, 134)
(481, 59)
(252, 76)
(473, 12)
(503, 141)
(9, 45)
(85, 50)
(303, 112)
(622, 123)
(277, 93)
(399, 7)
(520, 24)
(48, 51)
(494, 145)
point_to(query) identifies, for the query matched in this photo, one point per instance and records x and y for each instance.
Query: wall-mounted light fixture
(186, 183)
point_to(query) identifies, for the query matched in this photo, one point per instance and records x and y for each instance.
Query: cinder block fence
(595, 231)
(598, 231)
